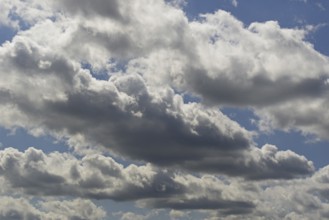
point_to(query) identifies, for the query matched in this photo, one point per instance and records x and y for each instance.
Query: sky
(164, 109)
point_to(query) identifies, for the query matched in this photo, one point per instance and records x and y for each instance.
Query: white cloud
(23, 14)
(235, 3)
(175, 214)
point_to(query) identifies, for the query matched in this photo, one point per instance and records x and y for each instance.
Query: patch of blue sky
(21, 140)
(195, 7)
(99, 74)
(23, 24)
(104, 73)
(188, 98)
(6, 33)
(320, 38)
(243, 116)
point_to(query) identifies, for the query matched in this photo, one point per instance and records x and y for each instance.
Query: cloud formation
(129, 117)
(37, 174)
(107, 75)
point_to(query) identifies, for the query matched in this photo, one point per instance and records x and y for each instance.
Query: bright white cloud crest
(107, 75)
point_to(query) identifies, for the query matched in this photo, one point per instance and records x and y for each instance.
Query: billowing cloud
(108, 75)
(264, 66)
(127, 116)
(259, 65)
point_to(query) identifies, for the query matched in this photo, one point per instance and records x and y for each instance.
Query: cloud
(259, 65)
(175, 214)
(235, 3)
(133, 216)
(139, 111)
(98, 177)
(23, 14)
(24, 209)
(127, 116)
(37, 174)
(85, 8)
(263, 66)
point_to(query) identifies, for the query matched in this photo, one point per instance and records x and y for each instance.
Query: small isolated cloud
(176, 214)
(320, 6)
(235, 3)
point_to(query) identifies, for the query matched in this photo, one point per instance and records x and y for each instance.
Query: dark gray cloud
(228, 207)
(246, 92)
(86, 8)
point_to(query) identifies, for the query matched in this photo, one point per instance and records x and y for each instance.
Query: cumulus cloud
(263, 66)
(138, 111)
(127, 116)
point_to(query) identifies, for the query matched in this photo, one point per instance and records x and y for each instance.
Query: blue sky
(164, 109)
